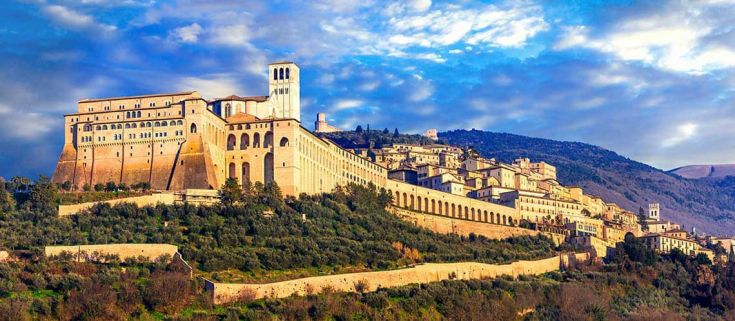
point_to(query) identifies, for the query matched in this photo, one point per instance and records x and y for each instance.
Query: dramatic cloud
(653, 81)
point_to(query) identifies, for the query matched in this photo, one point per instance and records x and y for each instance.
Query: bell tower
(284, 90)
(654, 211)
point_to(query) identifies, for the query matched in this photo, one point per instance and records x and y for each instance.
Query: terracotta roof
(249, 98)
(86, 100)
(280, 62)
(242, 118)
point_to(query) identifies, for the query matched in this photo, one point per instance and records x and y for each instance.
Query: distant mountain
(703, 171)
(708, 205)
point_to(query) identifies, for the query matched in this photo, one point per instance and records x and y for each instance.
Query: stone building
(181, 141)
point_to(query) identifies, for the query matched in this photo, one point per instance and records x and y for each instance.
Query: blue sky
(654, 81)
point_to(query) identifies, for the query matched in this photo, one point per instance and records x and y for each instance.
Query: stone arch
(504, 220)
(268, 140)
(244, 141)
(433, 206)
(284, 142)
(405, 200)
(231, 142)
(232, 173)
(398, 199)
(288, 73)
(466, 212)
(268, 168)
(485, 220)
(454, 210)
(193, 128)
(245, 172)
(256, 140)
(413, 204)
(280, 74)
(473, 213)
(418, 205)
(426, 204)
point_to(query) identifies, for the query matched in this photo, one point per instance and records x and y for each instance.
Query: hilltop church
(180, 141)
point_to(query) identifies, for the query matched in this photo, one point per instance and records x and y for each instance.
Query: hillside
(630, 184)
(705, 171)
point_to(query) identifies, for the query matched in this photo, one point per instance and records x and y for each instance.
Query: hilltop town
(237, 194)
(186, 144)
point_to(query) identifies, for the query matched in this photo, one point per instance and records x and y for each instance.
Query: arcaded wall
(123, 251)
(447, 225)
(145, 200)
(433, 272)
(431, 201)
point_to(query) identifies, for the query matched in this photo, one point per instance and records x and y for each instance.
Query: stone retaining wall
(425, 273)
(123, 251)
(145, 200)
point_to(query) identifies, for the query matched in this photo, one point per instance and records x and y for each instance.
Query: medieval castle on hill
(180, 141)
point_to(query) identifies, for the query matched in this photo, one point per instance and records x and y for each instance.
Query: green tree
(230, 193)
(66, 185)
(386, 131)
(396, 134)
(110, 187)
(123, 187)
(86, 187)
(7, 202)
(44, 195)
(358, 129)
(99, 187)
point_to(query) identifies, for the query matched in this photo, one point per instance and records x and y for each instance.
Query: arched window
(244, 141)
(127, 115)
(280, 73)
(275, 74)
(228, 110)
(193, 129)
(179, 122)
(134, 125)
(148, 124)
(284, 142)
(127, 126)
(158, 124)
(287, 73)
(231, 142)
(164, 123)
(268, 140)
(104, 127)
(256, 140)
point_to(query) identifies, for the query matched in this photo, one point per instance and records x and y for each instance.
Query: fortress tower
(654, 212)
(284, 90)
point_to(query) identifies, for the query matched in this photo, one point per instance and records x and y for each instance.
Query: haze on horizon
(654, 82)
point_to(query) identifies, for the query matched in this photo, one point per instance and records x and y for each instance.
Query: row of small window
(282, 91)
(164, 123)
(87, 139)
(136, 106)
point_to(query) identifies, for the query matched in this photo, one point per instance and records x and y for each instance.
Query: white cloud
(231, 35)
(216, 85)
(188, 33)
(10, 118)
(75, 20)
(347, 104)
(488, 25)
(679, 38)
(683, 132)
